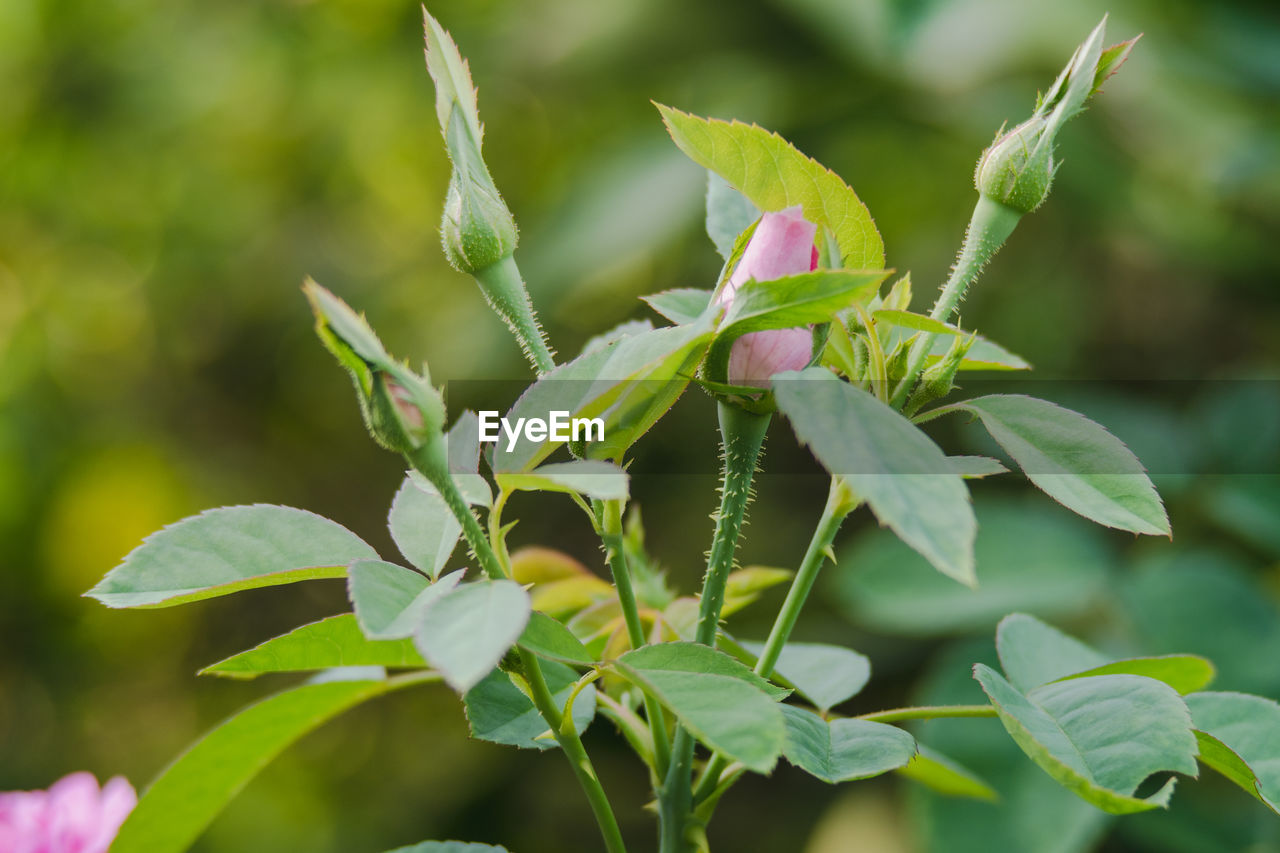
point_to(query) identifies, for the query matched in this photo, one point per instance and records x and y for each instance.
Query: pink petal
(757, 356)
(781, 245)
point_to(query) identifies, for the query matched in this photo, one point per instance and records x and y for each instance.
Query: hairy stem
(742, 435)
(504, 288)
(989, 227)
(840, 502)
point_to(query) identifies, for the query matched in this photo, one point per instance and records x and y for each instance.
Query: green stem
(616, 555)
(573, 749)
(840, 502)
(504, 288)
(989, 228)
(431, 461)
(929, 712)
(742, 435)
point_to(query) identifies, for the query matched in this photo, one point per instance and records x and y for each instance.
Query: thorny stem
(840, 502)
(742, 435)
(611, 535)
(431, 461)
(989, 227)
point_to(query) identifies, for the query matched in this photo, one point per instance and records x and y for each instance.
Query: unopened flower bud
(1017, 170)
(477, 228)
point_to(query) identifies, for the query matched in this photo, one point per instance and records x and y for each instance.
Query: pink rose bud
(781, 245)
(73, 816)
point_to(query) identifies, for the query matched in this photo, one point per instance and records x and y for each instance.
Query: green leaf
(1184, 673)
(422, 526)
(983, 354)
(845, 749)
(336, 641)
(893, 590)
(729, 213)
(1240, 738)
(463, 446)
(773, 175)
(1073, 460)
(918, 322)
(226, 550)
(887, 462)
(787, 302)
(717, 699)
(825, 675)
(630, 383)
(625, 329)
(448, 847)
(1033, 653)
(590, 477)
(682, 305)
(500, 712)
(452, 78)
(1099, 737)
(190, 792)
(391, 601)
(548, 638)
(467, 631)
(938, 772)
(976, 467)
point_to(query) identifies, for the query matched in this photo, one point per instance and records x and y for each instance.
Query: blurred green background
(170, 171)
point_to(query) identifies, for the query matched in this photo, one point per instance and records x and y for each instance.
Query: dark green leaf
(548, 638)
(1243, 740)
(500, 712)
(336, 641)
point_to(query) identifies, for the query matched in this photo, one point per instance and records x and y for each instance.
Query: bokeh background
(171, 170)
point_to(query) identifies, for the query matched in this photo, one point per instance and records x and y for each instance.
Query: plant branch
(929, 712)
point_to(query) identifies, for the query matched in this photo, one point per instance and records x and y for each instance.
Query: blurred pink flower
(73, 816)
(781, 245)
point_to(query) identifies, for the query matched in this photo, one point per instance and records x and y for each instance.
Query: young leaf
(843, 750)
(729, 213)
(682, 305)
(745, 586)
(590, 477)
(976, 467)
(772, 174)
(1099, 737)
(787, 302)
(1240, 738)
(391, 601)
(190, 792)
(500, 712)
(825, 675)
(422, 526)
(467, 631)
(719, 700)
(549, 639)
(888, 462)
(1073, 460)
(625, 329)
(934, 770)
(984, 354)
(226, 550)
(449, 847)
(333, 642)
(630, 383)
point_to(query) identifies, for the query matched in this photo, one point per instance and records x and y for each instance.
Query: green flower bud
(940, 378)
(477, 228)
(1017, 170)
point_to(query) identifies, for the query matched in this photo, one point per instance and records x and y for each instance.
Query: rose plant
(803, 323)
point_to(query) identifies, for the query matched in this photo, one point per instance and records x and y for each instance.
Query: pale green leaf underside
(467, 631)
(336, 641)
(1240, 738)
(226, 550)
(500, 712)
(1073, 460)
(888, 462)
(844, 749)
(825, 675)
(1099, 737)
(939, 773)
(681, 305)
(729, 213)
(391, 601)
(590, 477)
(187, 796)
(716, 698)
(773, 175)
(423, 527)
